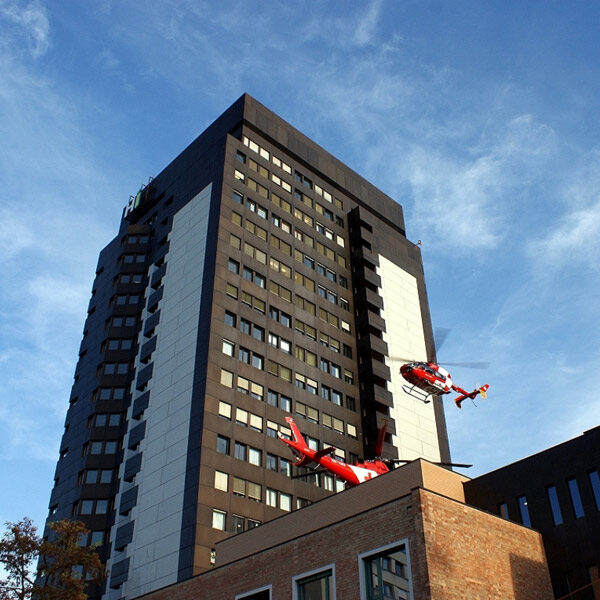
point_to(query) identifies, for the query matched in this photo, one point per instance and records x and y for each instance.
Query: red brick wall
(455, 552)
(339, 544)
(472, 555)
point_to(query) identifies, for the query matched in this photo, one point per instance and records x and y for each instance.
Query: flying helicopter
(427, 378)
(351, 474)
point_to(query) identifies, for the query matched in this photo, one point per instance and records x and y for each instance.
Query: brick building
(556, 492)
(406, 534)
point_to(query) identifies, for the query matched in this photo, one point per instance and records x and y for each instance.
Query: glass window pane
(575, 498)
(218, 520)
(387, 574)
(524, 510)
(316, 587)
(595, 483)
(554, 505)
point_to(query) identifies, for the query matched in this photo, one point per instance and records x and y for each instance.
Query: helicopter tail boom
(464, 395)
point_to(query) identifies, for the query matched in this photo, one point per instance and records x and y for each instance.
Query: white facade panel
(416, 430)
(154, 550)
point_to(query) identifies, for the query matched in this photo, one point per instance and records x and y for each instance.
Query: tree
(19, 548)
(64, 568)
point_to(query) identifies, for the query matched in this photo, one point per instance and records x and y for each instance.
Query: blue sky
(480, 118)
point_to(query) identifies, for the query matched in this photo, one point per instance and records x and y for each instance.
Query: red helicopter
(429, 378)
(351, 474)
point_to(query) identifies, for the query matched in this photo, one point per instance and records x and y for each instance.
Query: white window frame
(365, 555)
(296, 578)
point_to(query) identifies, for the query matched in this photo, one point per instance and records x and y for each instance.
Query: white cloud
(32, 21)
(573, 236)
(15, 235)
(576, 237)
(365, 32)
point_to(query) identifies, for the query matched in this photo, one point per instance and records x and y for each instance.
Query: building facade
(256, 276)
(556, 492)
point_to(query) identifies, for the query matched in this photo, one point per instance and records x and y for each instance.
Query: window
(524, 511)
(285, 502)
(228, 348)
(106, 476)
(254, 455)
(240, 450)
(260, 594)
(233, 266)
(222, 444)
(224, 410)
(385, 574)
(226, 378)
(91, 507)
(218, 519)
(554, 505)
(239, 486)
(575, 498)
(237, 524)
(595, 483)
(314, 586)
(254, 491)
(221, 481)
(503, 510)
(230, 319)
(271, 497)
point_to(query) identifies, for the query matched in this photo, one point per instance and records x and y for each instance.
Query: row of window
(257, 423)
(554, 503)
(237, 523)
(100, 447)
(100, 506)
(128, 259)
(303, 382)
(251, 357)
(130, 321)
(254, 456)
(124, 299)
(110, 368)
(117, 344)
(298, 214)
(286, 227)
(136, 239)
(91, 476)
(384, 574)
(117, 393)
(104, 420)
(285, 294)
(259, 279)
(298, 194)
(299, 177)
(129, 278)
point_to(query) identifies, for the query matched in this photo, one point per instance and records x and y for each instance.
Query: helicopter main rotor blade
(468, 365)
(441, 464)
(439, 337)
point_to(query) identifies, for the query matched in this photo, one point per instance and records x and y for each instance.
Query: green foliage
(64, 568)
(19, 548)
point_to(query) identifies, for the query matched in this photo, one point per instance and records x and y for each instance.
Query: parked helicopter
(351, 474)
(428, 378)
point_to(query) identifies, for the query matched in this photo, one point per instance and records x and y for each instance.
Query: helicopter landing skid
(417, 393)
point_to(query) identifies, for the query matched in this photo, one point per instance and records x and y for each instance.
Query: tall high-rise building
(255, 277)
